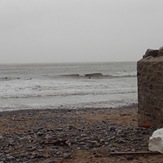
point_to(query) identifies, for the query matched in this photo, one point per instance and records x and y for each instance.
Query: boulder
(156, 141)
(151, 53)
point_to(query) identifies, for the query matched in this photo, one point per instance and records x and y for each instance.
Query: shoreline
(71, 136)
(53, 108)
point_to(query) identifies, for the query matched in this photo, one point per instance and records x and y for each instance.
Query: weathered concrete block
(150, 89)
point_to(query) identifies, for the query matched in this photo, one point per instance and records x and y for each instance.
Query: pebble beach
(74, 136)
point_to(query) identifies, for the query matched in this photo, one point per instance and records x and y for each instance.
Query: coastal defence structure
(150, 89)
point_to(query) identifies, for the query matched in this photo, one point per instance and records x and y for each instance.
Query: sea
(67, 85)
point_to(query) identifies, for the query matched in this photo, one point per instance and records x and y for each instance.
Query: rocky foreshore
(73, 136)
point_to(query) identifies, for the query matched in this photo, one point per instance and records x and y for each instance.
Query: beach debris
(156, 141)
(133, 153)
(146, 124)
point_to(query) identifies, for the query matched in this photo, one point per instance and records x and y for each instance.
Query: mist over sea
(53, 86)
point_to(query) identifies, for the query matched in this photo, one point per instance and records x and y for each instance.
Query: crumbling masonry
(150, 88)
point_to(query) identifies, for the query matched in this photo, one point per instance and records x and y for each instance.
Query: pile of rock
(153, 53)
(42, 144)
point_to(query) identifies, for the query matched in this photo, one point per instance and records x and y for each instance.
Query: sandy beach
(74, 136)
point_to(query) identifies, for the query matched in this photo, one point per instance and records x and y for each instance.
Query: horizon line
(64, 62)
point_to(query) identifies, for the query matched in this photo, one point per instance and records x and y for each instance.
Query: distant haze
(38, 31)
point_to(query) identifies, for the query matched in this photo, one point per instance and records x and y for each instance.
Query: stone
(95, 143)
(112, 128)
(156, 141)
(85, 138)
(102, 140)
(67, 155)
(106, 143)
(83, 135)
(59, 129)
(9, 157)
(160, 52)
(58, 153)
(151, 53)
(40, 133)
(129, 158)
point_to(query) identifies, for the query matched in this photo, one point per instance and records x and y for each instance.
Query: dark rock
(129, 157)
(51, 162)
(151, 53)
(83, 135)
(97, 155)
(112, 128)
(70, 127)
(113, 150)
(160, 52)
(58, 153)
(102, 140)
(40, 133)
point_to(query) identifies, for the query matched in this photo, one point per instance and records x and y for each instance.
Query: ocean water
(53, 86)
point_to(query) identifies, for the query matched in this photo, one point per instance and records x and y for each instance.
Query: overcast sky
(34, 31)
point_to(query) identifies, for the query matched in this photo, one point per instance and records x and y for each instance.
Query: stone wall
(150, 89)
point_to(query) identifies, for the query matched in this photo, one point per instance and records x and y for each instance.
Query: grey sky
(78, 30)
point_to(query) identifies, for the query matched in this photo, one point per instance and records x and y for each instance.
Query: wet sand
(74, 136)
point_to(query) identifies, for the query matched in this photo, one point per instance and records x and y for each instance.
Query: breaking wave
(99, 75)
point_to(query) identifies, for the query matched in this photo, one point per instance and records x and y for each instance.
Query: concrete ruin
(150, 89)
